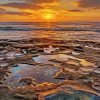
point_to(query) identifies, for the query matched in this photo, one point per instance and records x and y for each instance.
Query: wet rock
(1, 82)
(3, 51)
(79, 69)
(2, 57)
(50, 49)
(96, 86)
(3, 74)
(4, 43)
(79, 49)
(27, 81)
(89, 46)
(4, 64)
(24, 51)
(5, 78)
(41, 45)
(4, 88)
(24, 46)
(72, 64)
(40, 50)
(25, 93)
(97, 71)
(32, 51)
(5, 92)
(35, 55)
(88, 80)
(85, 70)
(66, 51)
(1, 47)
(86, 63)
(92, 47)
(62, 74)
(54, 60)
(13, 55)
(18, 55)
(75, 53)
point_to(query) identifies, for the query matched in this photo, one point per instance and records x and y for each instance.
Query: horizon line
(45, 22)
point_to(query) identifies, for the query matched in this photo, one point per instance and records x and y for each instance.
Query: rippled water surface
(63, 31)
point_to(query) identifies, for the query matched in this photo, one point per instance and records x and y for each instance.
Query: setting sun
(48, 16)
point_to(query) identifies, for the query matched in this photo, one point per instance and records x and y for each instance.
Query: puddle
(45, 58)
(77, 95)
(40, 73)
(61, 57)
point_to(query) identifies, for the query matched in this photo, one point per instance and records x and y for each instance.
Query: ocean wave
(46, 29)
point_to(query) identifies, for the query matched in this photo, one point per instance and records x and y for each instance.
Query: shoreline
(14, 52)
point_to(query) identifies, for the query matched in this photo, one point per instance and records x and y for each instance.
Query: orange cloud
(4, 12)
(57, 10)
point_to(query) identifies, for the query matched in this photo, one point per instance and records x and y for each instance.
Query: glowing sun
(48, 16)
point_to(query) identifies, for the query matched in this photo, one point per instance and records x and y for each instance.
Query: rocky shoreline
(46, 67)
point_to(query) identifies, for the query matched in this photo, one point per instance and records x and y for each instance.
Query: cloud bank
(89, 4)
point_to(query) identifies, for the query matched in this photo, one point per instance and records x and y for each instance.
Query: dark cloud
(22, 5)
(27, 4)
(18, 13)
(75, 10)
(42, 1)
(3, 12)
(89, 4)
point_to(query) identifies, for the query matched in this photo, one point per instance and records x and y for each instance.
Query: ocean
(89, 31)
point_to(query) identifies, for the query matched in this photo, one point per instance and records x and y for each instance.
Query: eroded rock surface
(30, 70)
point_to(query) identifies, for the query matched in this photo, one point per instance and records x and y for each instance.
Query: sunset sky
(49, 10)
